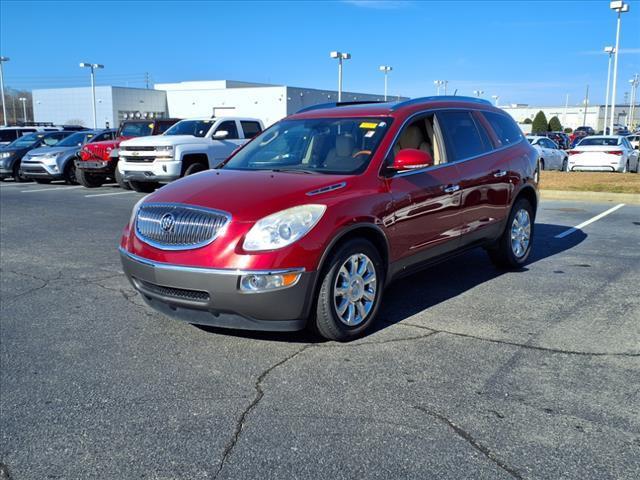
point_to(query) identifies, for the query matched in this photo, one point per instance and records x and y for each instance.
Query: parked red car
(307, 223)
(97, 162)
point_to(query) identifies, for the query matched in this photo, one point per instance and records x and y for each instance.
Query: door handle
(452, 188)
(500, 173)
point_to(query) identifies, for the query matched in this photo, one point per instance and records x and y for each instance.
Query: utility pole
(566, 107)
(4, 107)
(609, 51)
(620, 7)
(146, 79)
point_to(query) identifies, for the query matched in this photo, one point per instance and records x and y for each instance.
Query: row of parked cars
(139, 155)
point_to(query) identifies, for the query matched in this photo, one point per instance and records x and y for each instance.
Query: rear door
(484, 173)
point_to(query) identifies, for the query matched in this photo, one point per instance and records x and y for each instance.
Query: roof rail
(320, 106)
(442, 98)
(34, 124)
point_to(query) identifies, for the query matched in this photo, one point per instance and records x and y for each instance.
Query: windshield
(322, 145)
(598, 141)
(26, 140)
(74, 140)
(197, 128)
(138, 129)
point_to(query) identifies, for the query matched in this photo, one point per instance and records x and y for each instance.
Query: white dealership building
(269, 103)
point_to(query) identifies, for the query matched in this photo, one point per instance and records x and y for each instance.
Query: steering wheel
(361, 152)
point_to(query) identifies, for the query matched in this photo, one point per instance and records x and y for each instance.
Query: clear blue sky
(526, 52)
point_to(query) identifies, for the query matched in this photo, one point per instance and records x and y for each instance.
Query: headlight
(5, 154)
(164, 148)
(283, 228)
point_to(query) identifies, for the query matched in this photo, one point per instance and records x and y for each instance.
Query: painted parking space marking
(50, 189)
(590, 221)
(111, 193)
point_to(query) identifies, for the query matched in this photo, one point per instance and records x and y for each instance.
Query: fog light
(262, 282)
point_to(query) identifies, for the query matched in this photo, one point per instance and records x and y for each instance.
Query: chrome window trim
(162, 246)
(435, 167)
(205, 270)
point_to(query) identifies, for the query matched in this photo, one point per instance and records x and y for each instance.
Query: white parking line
(591, 220)
(50, 189)
(112, 193)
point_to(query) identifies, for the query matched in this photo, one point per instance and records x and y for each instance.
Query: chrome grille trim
(193, 227)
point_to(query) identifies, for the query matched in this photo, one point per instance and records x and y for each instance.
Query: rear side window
(8, 135)
(462, 136)
(250, 129)
(506, 129)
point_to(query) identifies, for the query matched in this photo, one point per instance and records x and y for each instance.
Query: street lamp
(620, 7)
(24, 108)
(440, 83)
(635, 81)
(477, 93)
(4, 107)
(93, 67)
(340, 56)
(495, 99)
(385, 69)
(609, 51)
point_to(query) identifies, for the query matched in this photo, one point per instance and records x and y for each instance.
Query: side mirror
(220, 135)
(411, 159)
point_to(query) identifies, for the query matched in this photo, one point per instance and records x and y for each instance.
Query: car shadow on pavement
(426, 288)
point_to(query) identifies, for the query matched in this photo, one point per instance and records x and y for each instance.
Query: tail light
(616, 152)
(574, 152)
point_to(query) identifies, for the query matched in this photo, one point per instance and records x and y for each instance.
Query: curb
(590, 196)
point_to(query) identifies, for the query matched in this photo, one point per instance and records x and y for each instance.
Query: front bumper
(206, 296)
(96, 166)
(39, 170)
(155, 171)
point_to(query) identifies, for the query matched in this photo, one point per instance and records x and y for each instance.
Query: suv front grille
(172, 226)
(137, 148)
(173, 292)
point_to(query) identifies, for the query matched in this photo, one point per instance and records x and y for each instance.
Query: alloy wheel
(520, 233)
(354, 291)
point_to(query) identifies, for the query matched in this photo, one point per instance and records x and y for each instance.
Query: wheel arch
(190, 158)
(530, 194)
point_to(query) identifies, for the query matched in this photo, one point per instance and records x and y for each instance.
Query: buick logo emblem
(167, 222)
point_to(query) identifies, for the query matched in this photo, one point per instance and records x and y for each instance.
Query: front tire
(88, 180)
(70, 173)
(144, 187)
(43, 181)
(17, 176)
(121, 181)
(350, 291)
(514, 245)
(194, 168)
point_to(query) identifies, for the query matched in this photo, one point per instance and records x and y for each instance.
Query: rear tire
(144, 187)
(565, 165)
(350, 291)
(121, 181)
(88, 180)
(514, 245)
(541, 164)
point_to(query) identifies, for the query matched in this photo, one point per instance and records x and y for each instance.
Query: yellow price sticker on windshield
(368, 125)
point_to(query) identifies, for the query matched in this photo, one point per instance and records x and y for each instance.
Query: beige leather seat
(412, 137)
(340, 157)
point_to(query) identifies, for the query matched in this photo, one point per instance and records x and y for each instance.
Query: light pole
(635, 81)
(566, 106)
(340, 56)
(477, 93)
(24, 108)
(495, 99)
(385, 69)
(620, 7)
(93, 67)
(609, 51)
(4, 106)
(586, 106)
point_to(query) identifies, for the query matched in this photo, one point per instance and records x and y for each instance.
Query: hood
(15, 150)
(161, 140)
(249, 195)
(40, 151)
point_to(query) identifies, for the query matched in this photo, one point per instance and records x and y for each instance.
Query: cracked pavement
(470, 373)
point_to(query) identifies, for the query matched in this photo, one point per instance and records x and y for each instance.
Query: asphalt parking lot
(471, 373)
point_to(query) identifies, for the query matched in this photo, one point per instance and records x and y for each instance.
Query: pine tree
(555, 125)
(540, 123)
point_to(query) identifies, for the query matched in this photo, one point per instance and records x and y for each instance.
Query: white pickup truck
(189, 146)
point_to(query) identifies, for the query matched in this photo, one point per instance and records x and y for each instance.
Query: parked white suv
(189, 146)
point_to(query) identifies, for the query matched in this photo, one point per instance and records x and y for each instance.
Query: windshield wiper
(292, 170)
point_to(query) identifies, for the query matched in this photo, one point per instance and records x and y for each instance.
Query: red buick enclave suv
(307, 223)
